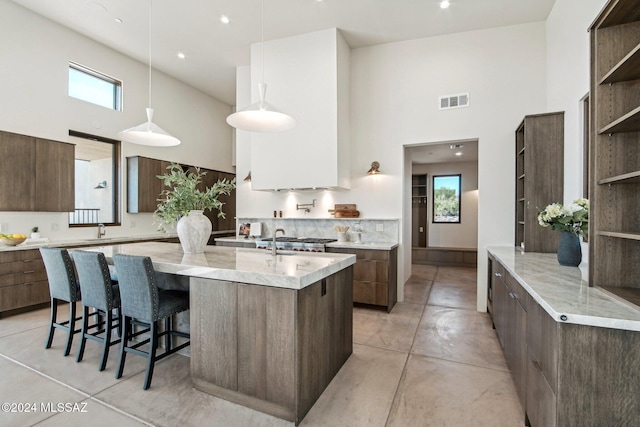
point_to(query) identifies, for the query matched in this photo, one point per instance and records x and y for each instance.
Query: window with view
(92, 86)
(446, 198)
(96, 181)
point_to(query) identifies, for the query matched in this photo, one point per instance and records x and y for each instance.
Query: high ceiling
(214, 49)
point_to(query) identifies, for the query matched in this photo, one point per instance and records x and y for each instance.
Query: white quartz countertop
(292, 270)
(563, 293)
(62, 243)
(344, 245)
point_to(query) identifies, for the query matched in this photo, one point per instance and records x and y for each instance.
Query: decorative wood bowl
(12, 242)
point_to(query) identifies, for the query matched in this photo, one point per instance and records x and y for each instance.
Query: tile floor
(433, 361)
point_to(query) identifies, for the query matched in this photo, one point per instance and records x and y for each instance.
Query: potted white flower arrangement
(572, 220)
(183, 203)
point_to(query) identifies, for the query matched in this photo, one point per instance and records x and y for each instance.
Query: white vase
(194, 231)
(35, 235)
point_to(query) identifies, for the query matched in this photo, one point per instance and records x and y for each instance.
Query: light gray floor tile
(417, 292)
(28, 348)
(423, 272)
(436, 392)
(458, 335)
(94, 414)
(172, 401)
(393, 330)
(23, 322)
(362, 392)
(456, 275)
(20, 385)
(454, 295)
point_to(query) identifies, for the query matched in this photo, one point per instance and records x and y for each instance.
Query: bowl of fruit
(12, 239)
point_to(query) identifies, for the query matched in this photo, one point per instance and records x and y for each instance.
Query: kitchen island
(268, 332)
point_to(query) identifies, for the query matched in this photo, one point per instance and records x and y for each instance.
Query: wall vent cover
(454, 101)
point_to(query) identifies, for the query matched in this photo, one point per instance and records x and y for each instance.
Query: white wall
(394, 103)
(35, 53)
(464, 234)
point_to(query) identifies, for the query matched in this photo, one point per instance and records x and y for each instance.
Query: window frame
(117, 85)
(115, 186)
(433, 198)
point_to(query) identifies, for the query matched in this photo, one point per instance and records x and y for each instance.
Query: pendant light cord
(150, 13)
(262, 37)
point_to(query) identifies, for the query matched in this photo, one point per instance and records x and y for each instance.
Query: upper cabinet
(36, 174)
(307, 77)
(539, 178)
(615, 150)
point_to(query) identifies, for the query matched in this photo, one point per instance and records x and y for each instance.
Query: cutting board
(344, 207)
(346, 214)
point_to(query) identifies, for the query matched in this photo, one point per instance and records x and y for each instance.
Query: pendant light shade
(149, 133)
(261, 116)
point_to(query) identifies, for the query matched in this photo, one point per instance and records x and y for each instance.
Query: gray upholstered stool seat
(143, 303)
(63, 286)
(103, 295)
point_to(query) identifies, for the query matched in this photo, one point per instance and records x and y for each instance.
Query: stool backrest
(138, 287)
(95, 279)
(60, 274)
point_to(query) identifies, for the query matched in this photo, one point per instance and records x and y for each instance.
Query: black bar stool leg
(167, 337)
(72, 327)
(152, 355)
(83, 331)
(107, 340)
(54, 318)
(123, 344)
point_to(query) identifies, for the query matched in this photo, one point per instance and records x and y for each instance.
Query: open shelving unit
(539, 177)
(615, 150)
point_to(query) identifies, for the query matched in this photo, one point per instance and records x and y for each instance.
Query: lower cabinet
(374, 276)
(23, 280)
(565, 374)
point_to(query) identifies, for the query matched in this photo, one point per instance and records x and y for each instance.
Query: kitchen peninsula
(268, 332)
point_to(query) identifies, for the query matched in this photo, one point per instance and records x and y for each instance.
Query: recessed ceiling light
(224, 19)
(444, 4)
(181, 55)
(118, 20)
(454, 146)
(459, 153)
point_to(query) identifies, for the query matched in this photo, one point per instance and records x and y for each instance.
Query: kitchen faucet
(101, 230)
(273, 248)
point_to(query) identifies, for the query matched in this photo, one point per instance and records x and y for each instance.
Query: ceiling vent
(454, 101)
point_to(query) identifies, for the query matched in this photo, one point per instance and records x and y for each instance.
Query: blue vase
(569, 249)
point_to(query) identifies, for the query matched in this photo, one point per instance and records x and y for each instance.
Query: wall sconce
(248, 177)
(101, 184)
(374, 169)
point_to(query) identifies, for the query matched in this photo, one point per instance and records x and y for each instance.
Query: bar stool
(101, 293)
(63, 286)
(143, 303)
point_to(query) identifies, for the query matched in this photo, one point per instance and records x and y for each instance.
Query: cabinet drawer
(13, 256)
(370, 292)
(20, 278)
(24, 295)
(371, 271)
(540, 400)
(370, 254)
(25, 266)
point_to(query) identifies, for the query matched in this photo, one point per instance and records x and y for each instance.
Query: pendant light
(149, 133)
(261, 116)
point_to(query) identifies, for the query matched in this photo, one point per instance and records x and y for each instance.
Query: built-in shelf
(627, 178)
(521, 222)
(521, 176)
(521, 152)
(521, 200)
(630, 122)
(631, 295)
(628, 236)
(622, 14)
(625, 70)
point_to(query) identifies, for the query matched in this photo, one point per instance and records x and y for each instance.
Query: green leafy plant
(34, 229)
(183, 193)
(573, 218)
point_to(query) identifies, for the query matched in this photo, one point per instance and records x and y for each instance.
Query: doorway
(444, 203)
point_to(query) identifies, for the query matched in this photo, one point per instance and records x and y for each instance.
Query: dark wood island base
(269, 348)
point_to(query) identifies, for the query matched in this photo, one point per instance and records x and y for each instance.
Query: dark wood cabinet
(144, 188)
(143, 185)
(23, 280)
(614, 223)
(539, 178)
(36, 174)
(55, 176)
(374, 276)
(419, 211)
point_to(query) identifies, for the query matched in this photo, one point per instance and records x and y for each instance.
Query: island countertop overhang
(291, 270)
